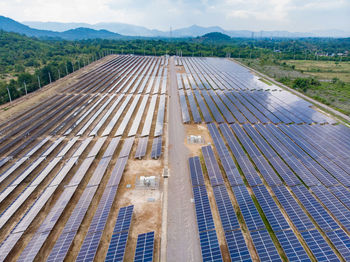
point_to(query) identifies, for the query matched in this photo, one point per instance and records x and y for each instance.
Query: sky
(290, 15)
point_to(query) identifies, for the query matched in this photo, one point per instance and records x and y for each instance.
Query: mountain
(80, 33)
(120, 28)
(9, 25)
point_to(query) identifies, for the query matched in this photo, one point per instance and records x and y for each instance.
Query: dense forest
(28, 63)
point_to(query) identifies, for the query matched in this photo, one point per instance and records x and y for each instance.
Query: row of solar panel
(210, 247)
(265, 106)
(298, 217)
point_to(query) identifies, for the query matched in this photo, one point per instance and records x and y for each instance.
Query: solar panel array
(207, 235)
(283, 155)
(144, 247)
(120, 234)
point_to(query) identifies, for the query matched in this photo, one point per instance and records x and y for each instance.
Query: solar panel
(292, 208)
(128, 143)
(341, 241)
(342, 194)
(291, 246)
(184, 108)
(141, 147)
(210, 246)
(250, 213)
(116, 117)
(106, 115)
(127, 116)
(144, 247)
(229, 165)
(195, 113)
(205, 112)
(203, 211)
(333, 204)
(226, 113)
(316, 210)
(212, 166)
(264, 246)
(270, 209)
(156, 147)
(318, 246)
(227, 213)
(148, 120)
(160, 116)
(116, 248)
(237, 246)
(120, 234)
(217, 115)
(196, 171)
(242, 159)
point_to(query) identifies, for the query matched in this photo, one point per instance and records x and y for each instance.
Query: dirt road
(183, 240)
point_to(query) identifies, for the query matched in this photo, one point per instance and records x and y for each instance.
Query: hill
(81, 33)
(216, 36)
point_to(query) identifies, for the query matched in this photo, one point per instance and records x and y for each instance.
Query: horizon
(251, 15)
(186, 26)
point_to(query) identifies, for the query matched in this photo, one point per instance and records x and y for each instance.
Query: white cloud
(230, 14)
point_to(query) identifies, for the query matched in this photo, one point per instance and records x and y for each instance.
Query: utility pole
(66, 69)
(59, 73)
(50, 77)
(39, 82)
(8, 91)
(25, 87)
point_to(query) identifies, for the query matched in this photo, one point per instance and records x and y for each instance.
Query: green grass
(322, 69)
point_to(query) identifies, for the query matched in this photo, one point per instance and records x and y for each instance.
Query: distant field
(323, 69)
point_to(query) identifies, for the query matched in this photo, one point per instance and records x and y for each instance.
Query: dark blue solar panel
(120, 234)
(242, 159)
(318, 246)
(342, 194)
(212, 166)
(264, 246)
(341, 241)
(210, 246)
(226, 113)
(229, 165)
(124, 219)
(250, 213)
(291, 246)
(203, 211)
(206, 115)
(333, 205)
(144, 247)
(292, 208)
(316, 210)
(270, 209)
(117, 246)
(226, 211)
(237, 246)
(217, 116)
(196, 171)
(195, 113)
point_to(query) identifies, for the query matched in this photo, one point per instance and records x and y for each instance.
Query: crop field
(323, 69)
(236, 169)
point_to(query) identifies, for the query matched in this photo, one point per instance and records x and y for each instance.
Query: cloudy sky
(291, 15)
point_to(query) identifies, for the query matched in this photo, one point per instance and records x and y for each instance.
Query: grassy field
(323, 69)
(331, 85)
